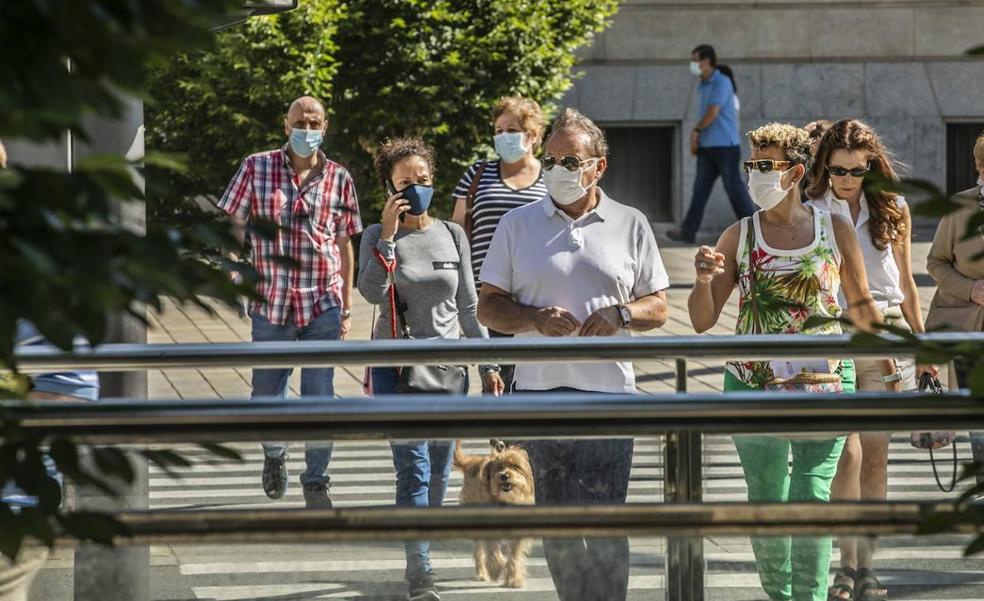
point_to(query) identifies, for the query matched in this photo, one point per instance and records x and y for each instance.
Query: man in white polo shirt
(576, 263)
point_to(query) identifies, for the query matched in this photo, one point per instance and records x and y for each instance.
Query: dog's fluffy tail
(463, 462)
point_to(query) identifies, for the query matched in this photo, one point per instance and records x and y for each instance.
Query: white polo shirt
(884, 279)
(543, 258)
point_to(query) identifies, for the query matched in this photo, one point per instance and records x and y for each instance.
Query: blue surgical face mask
(305, 141)
(419, 197)
(509, 146)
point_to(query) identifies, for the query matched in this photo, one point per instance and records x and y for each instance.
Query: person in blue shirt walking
(715, 142)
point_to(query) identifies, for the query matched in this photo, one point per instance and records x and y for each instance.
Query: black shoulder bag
(427, 379)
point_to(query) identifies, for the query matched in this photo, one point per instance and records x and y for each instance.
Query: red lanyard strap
(390, 266)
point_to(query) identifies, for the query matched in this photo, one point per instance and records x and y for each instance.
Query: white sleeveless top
(884, 279)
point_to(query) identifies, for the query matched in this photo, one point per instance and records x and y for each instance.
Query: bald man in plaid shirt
(313, 201)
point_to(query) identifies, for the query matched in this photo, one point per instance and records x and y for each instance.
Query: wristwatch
(624, 314)
(894, 377)
(491, 369)
(346, 314)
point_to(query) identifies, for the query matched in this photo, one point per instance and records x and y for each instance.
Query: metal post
(106, 573)
(682, 484)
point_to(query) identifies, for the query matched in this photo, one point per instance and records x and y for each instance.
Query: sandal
(836, 591)
(869, 588)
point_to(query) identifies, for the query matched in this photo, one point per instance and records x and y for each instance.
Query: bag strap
(752, 293)
(470, 199)
(457, 245)
(396, 307)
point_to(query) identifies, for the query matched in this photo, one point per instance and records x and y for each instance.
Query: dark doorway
(640, 168)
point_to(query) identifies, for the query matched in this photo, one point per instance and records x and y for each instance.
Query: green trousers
(790, 568)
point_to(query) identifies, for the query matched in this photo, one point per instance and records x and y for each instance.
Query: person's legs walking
(555, 480)
(707, 174)
(729, 164)
(269, 383)
(765, 463)
(440, 452)
(319, 382)
(846, 486)
(814, 465)
(603, 477)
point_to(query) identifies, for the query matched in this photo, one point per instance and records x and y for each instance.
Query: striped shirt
(493, 199)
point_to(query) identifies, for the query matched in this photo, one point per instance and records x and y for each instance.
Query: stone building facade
(901, 65)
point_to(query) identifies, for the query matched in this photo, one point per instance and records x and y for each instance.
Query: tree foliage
(67, 261)
(385, 67)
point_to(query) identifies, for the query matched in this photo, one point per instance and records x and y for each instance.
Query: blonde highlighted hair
(793, 141)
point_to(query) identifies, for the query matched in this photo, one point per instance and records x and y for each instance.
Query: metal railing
(135, 357)
(682, 419)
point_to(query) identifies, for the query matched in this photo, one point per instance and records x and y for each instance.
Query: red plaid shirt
(313, 218)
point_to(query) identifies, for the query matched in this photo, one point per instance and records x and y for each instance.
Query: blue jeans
(588, 472)
(422, 471)
(315, 381)
(714, 161)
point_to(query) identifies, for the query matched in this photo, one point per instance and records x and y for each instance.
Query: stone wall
(898, 65)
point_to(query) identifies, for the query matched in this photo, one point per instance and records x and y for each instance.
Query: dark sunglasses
(569, 162)
(766, 165)
(856, 172)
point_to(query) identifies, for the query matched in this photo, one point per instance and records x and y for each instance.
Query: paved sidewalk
(192, 324)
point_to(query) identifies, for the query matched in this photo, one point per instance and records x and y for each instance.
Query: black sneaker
(678, 235)
(422, 588)
(316, 496)
(275, 476)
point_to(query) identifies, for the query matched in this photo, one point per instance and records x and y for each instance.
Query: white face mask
(565, 186)
(766, 188)
(695, 67)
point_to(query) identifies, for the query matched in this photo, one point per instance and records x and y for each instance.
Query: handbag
(815, 382)
(421, 379)
(936, 440)
(470, 200)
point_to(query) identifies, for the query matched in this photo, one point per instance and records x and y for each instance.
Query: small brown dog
(503, 477)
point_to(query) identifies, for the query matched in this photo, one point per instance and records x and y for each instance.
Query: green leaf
(114, 462)
(94, 526)
(975, 547)
(222, 451)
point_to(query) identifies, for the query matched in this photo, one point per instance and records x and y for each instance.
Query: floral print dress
(791, 286)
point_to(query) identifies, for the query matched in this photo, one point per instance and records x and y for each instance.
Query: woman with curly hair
(849, 150)
(789, 261)
(418, 270)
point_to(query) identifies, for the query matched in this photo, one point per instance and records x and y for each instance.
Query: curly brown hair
(395, 150)
(886, 223)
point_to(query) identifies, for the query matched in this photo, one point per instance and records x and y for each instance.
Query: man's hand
(977, 292)
(492, 383)
(603, 322)
(694, 142)
(555, 321)
(346, 325)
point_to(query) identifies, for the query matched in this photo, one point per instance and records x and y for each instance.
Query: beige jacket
(951, 263)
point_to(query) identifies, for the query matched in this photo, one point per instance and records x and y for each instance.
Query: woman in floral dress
(788, 261)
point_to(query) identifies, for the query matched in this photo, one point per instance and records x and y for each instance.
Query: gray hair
(572, 120)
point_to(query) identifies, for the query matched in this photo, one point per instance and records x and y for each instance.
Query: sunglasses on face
(766, 166)
(569, 162)
(856, 172)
